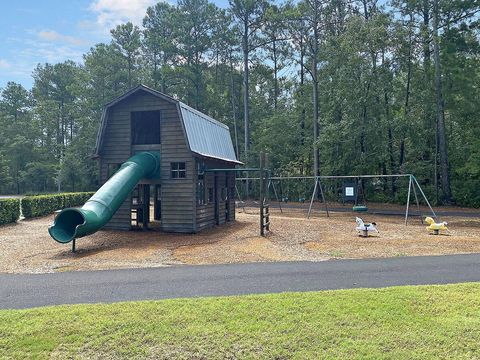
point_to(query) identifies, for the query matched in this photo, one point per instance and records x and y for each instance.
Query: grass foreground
(398, 323)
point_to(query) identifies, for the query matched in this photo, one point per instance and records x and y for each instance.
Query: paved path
(23, 291)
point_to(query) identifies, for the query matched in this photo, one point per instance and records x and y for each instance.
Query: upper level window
(178, 170)
(145, 127)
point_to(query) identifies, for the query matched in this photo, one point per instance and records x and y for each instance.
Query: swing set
(352, 191)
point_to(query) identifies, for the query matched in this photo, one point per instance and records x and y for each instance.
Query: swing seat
(360, 208)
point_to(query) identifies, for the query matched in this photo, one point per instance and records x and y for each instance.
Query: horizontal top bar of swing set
(331, 177)
(244, 169)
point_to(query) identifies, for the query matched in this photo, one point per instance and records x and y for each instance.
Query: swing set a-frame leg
(313, 198)
(318, 184)
(323, 197)
(408, 199)
(425, 198)
(418, 204)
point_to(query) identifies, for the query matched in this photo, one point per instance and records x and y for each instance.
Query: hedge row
(34, 206)
(9, 210)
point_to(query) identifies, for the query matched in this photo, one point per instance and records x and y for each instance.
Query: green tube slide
(74, 223)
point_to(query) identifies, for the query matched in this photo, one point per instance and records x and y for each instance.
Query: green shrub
(76, 199)
(34, 206)
(9, 210)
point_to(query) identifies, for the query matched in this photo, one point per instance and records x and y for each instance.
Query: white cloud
(50, 35)
(39, 52)
(4, 64)
(111, 13)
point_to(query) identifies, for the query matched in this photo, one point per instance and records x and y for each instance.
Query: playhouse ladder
(264, 203)
(265, 219)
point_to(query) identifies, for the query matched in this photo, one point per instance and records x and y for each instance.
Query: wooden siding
(206, 213)
(116, 150)
(178, 195)
(178, 208)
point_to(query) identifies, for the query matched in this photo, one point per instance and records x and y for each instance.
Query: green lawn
(423, 322)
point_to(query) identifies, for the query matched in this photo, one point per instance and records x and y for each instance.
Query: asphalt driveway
(31, 290)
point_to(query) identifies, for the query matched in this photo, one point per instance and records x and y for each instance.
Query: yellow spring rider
(435, 227)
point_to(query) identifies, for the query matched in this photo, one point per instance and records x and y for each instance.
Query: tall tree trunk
(129, 72)
(198, 82)
(302, 93)
(246, 91)
(71, 129)
(163, 65)
(429, 124)
(275, 75)
(234, 110)
(155, 81)
(393, 169)
(407, 94)
(363, 125)
(246, 106)
(362, 130)
(316, 154)
(442, 139)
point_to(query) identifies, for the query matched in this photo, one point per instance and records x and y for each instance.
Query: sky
(39, 31)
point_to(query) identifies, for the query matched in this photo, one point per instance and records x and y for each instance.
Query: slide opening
(65, 225)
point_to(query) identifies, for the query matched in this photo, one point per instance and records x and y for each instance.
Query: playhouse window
(145, 127)
(210, 195)
(178, 170)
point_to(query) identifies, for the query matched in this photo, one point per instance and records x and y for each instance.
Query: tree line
(331, 87)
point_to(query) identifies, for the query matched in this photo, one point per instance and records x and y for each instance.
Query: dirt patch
(26, 247)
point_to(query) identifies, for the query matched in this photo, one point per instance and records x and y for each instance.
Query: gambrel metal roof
(205, 136)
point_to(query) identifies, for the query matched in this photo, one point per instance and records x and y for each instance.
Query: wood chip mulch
(26, 247)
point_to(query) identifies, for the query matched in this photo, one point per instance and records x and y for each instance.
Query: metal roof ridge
(137, 88)
(158, 92)
(203, 115)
